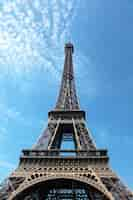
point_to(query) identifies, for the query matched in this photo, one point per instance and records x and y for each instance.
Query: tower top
(67, 99)
(69, 46)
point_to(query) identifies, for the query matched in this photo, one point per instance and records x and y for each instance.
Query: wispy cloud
(30, 30)
(108, 138)
(3, 133)
(9, 115)
(6, 164)
(5, 167)
(86, 73)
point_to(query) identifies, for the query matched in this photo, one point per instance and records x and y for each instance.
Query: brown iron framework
(47, 172)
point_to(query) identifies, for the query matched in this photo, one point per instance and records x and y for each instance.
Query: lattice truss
(118, 189)
(82, 135)
(67, 99)
(9, 185)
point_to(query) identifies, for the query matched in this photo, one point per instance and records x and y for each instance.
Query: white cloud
(6, 164)
(3, 133)
(7, 167)
(9, 115)
(87, 75)
(30, 30)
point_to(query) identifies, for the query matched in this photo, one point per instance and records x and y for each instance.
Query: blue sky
(32, 37)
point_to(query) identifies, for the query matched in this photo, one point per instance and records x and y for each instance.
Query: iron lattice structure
(48, 172)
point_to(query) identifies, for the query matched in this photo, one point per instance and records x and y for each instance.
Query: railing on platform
(61, 153)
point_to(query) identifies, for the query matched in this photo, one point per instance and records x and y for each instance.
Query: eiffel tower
(65, 163)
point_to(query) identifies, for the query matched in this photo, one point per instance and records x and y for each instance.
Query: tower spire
(67, 99)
